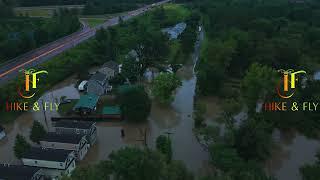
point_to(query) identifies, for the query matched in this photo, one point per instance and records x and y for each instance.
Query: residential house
(2, 133)
(133, 55)
(54, 163)
(75, 142)
(18, 172)
(176, 31)
(110, 68)
(97, 84)
(77, 127)
(86, 104)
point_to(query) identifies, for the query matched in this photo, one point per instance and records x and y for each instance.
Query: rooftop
(62, 138)
(87, 101)
(99, 77)
(15, 172)
(74, 124)
(112, 65)
(175, 31)
(111, 110)
(57, 155)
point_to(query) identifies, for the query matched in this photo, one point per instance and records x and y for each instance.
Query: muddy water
(293, 151)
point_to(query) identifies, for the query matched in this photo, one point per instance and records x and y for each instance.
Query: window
(77, 131)
(61, 164)
(36, 162)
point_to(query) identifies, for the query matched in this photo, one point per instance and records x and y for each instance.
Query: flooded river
(293, 150)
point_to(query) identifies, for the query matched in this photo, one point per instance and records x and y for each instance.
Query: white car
(82, 86)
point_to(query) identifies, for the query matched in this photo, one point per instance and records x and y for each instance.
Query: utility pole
(143, 132)
(44, 114)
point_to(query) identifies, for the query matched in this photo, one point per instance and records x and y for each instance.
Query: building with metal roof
(53, 162)
(87, 103)
(74, 142)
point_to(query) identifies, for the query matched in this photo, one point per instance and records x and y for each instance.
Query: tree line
(19, 35)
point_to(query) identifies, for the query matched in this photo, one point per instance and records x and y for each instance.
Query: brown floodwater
(291, 152)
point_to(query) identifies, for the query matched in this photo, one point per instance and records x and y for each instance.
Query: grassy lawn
(34, 12)
(175, 11)
(92, 22)
(42, 11)
(64, 109)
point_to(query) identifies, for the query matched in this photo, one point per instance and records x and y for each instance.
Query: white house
(2, 133)
(77, 127)
(74, 142)
(54, 163)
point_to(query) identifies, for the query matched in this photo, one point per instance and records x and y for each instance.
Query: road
(11, 69)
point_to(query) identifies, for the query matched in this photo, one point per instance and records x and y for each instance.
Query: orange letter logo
(289, 77)
(33, 74)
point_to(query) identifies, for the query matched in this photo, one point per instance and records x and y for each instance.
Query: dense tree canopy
(19, 35)
(135, 103)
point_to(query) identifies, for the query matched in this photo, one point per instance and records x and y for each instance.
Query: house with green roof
(87, 104)
(112, 112)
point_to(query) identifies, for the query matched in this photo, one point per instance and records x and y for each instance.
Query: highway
(10, 69)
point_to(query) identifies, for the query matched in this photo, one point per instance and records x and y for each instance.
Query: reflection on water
(293, 151)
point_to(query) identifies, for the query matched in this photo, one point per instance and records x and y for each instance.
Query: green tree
(152, 47)
(37, 132)
(224, 157)
(137, 164)
(21, 146)
(130, 69)
(164, 85)
(101, 170)
(163, 145)
(198, 113)
(135, 103)
(258, 82)
(176, 170)
(253, 140)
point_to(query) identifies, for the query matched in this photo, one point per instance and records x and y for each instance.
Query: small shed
(112, 112)
(87, 104)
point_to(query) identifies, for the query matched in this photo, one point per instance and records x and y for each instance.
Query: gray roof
(112, 65)
(175, 31)
(16, 172)
(74, 124)
(99, 77)
(63, 138)
(57, 155)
